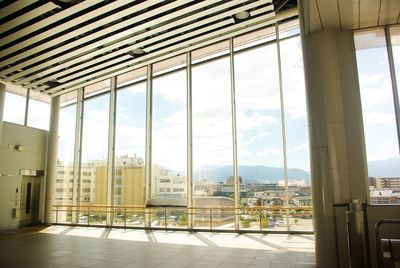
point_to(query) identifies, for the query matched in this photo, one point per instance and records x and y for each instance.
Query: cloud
(379, 118)
(303, 147)
(269, 152)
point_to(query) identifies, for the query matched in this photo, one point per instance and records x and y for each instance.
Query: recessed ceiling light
(242, 15)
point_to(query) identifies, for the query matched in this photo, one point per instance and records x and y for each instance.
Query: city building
(200, 116)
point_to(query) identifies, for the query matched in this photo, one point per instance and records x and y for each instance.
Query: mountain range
(260, 174)
(264, 174)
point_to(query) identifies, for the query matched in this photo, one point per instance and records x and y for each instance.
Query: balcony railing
(250, 219)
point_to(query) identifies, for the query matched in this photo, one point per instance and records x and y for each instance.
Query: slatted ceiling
(123, 58)
(172, 33)
(60, 28)
(184, 20)
(86, 49)
(390, 11)
(197, 15)
(314, 17)
(49, 20)
(178, 48)
(14, 7)
(156, 46)
(369, 13)
(329, 12)
(262, 10)
(28, 16)
(140, 65)
(349, 14)
(88, 38)
(165, 29)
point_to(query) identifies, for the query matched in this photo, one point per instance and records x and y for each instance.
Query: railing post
(210, 219)
(88, 215)
(56, 214)
(165, 218)
(125, 218)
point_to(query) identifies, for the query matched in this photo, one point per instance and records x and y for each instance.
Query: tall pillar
(52, 144)
(338, 159)
(2, 99)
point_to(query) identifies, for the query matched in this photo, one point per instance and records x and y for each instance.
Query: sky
(258, 113)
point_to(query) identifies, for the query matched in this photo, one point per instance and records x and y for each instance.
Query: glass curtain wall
(130, 131)
(169, 131)
(378, 107)
(212, 142)
(259, 132)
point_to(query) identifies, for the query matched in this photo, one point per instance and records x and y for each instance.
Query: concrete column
(52, 144)
(338, 159)
(2, 99)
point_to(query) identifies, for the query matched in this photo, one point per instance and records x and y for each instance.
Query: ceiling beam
(14, 7)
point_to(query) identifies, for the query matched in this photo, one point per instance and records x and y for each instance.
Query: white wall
(12, 161)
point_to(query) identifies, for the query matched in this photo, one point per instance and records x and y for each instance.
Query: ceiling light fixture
(242, 15)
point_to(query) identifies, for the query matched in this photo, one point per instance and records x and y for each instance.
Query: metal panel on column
(52, 144)
(234, 135)
(189, 139)
(285, 167)
(111, 151)
(149, 115)
(76, 192)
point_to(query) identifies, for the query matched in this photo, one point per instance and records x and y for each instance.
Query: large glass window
(39, 110)
(14, 108)
(93, 180)
(130, 132)
(260, 152)
(212, 142)
(169, 139)
(379, 117)
(65, 159)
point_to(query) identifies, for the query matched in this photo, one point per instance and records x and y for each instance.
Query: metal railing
(251, 219)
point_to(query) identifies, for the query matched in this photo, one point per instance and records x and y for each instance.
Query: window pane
(259, 131)
(94, 155)
(39, 114)
(14, 108)
(298, 160)
(169, 140)
(65, 160)
(212, 143)
(129, 173)
(378, 114)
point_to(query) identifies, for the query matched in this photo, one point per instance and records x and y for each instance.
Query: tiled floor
(61, 246)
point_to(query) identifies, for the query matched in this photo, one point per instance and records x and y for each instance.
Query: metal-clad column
(285, 168)
(76, 192)
(111, 151)
(394, 81)
(234, 136)
(189, 139)
(2, 100)
(28, 94)
(149, 115)
(52, 144)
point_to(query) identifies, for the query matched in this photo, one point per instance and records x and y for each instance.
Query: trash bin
(356, 235)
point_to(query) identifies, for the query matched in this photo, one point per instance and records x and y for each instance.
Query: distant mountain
(261, 174)
(385, 168)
